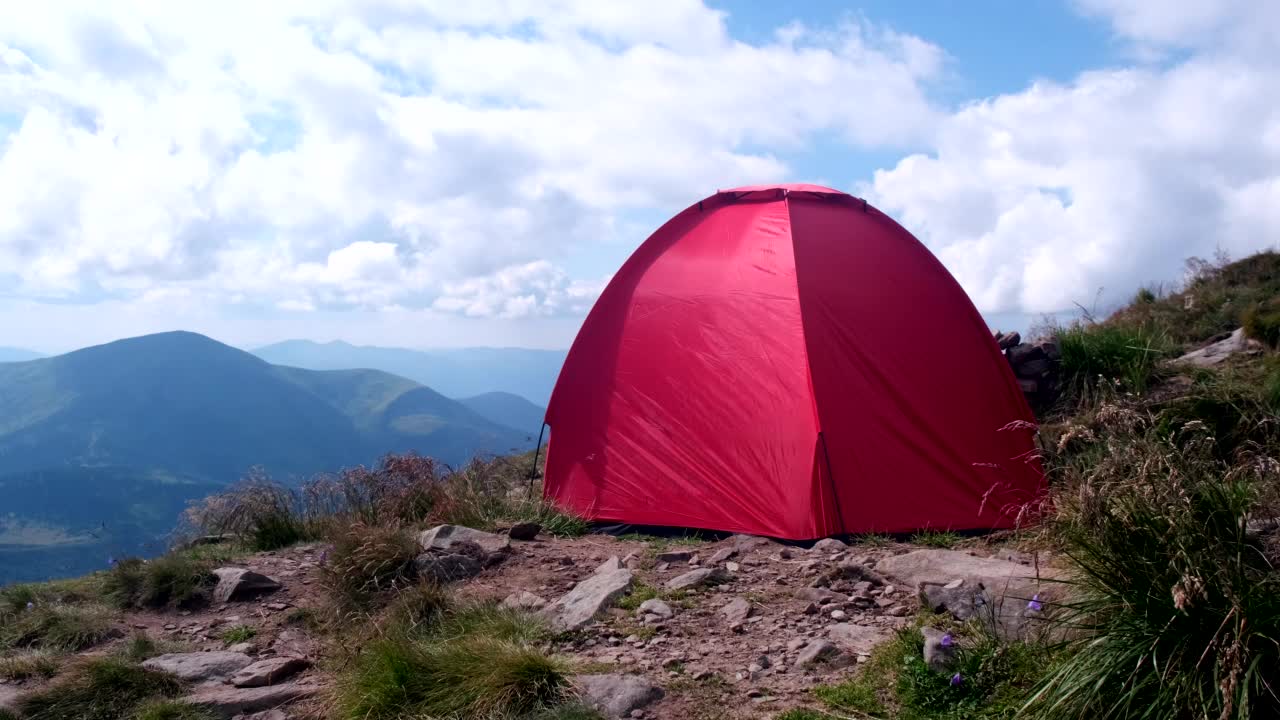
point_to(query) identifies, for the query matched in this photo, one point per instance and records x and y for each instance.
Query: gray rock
(938, 654)
(827, 546)
(696, 578)
(9, 698)
(613, 563)
(654, 606)
(241, 584)
(1215, 353)
(857, 639)
(617, 695)
(524, 600)
(524, 531)
(578, 607)
(447, 567)
(960, 598)
(675, 556)
(743, 543)
(1009, 339)
(200, 666)
(736, 611)
(269, 672)
(819, 653)
(247, 648)
(442, 537)
(226, 701)
(821, 596)
(721, 555)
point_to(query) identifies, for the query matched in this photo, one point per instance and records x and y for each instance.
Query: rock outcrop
(200, 666)
(241, 584)
(269, 672)
(578, 607)
(616, 696)
(226, 701)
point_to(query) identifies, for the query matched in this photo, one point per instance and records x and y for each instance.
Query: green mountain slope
(461, 372)
(507, 409)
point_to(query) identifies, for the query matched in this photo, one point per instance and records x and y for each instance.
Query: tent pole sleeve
(831, 477)
(533, 470)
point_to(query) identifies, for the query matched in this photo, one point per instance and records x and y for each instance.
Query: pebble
(839, 615)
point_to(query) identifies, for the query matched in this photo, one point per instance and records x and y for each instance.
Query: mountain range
(12, 354)
(461, 372)
(100, 447)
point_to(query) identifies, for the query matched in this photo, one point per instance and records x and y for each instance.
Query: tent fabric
(788, 361)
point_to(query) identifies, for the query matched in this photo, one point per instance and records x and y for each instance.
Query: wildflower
(956, 680)
(947, 640)
(1035, 605)
(31, 605)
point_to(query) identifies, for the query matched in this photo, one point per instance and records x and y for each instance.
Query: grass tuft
(238, 634)
(173, 580)
(172, 710)
(944, 539)
(29, 665)
(1099, 357)
(367, 563)
(65, 628)
(101, 689)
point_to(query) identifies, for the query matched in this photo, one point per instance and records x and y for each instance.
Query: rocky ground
(738, 628)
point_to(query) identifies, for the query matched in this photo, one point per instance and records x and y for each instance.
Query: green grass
(368, 563)
(29, 665)
(175, 580)
(1105, 357)
(65, 628)
(873, 540)
(101, 689)
(895, 682)
(142, 647)
(1177, 610)
(172, 710)
(238, 634)
(553, 520)
(804, 714)
(944, 539)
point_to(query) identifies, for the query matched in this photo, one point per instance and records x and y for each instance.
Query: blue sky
(431, 174)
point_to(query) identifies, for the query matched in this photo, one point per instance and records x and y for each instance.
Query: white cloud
(1041, 199)
(387, 154)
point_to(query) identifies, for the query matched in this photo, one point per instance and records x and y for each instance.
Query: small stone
(269, 672)
(657, 607)
(613, 563)
(277, 606)
(898, 611)
(240, 584)
(785, 554)
(721, 555)
(696, 578)
(617, 695)
(796, 643)
(821, 652)
(524, 531)
(732, 566)
(811, 609)
(675, 556)
(524, 600)
(736, 611)
(827, 546)
(755, 693)
(693, 561)
(663, 567)
(839, 615)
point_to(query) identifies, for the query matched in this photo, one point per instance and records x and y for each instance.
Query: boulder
(736, 611)
(269, 672)
(200, 666)
(442, 537)
(997, 591)
(939, 650)
(524, 531)
(1025, 353)
(857, 639)
(578, 607)
(654, 606)
(226, 701)
(241, 584)
(1008, 340)
(615, 695)
(696, 578)
(829, 545)
(524, 600)
(819, 653)
(1215, 353)
(445, 567)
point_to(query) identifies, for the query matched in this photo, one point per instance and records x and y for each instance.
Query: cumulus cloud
(325, 154)
(1044, 198)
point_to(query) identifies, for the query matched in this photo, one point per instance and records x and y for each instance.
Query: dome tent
(788, 361)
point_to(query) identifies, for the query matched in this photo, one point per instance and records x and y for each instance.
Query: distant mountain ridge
(12, 354)
(154, 421)
(507, 409)
(457, 373)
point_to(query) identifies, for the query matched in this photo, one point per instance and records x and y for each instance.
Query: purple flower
(956, 680)
(31, 606)
(947, 640)
(1034, 605)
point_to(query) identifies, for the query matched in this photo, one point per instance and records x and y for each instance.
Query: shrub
(1261, 321)
(101, 689)
(238, 634)
(367, 562)
(66, 628)
(28, 665)
(1101, 352)
(267, 515)
(1177, 606)
(173, 580)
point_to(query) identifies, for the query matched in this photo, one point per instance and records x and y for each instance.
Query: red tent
(788, 361)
